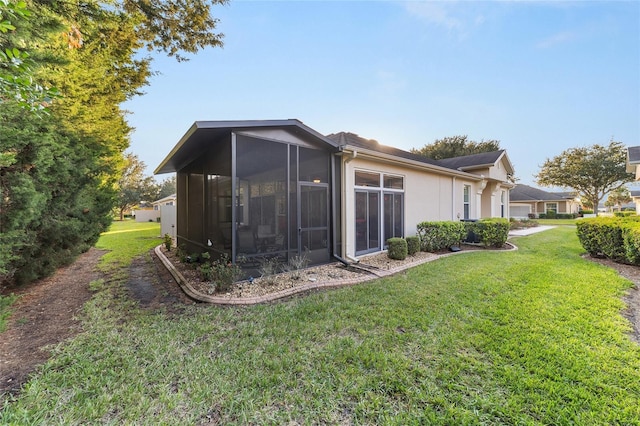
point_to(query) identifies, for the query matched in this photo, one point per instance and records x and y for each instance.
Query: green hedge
(435, 236)
(397, 248)
(616, 238)
(413, 245)
(492, 232)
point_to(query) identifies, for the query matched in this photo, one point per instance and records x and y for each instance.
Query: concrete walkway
(529, 231)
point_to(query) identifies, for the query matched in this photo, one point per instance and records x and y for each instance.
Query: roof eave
(405, 161)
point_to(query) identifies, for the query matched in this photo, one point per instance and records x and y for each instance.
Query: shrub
(436, 236)
(222, 273)
(413, 245)
(397, 248)
(586, 211)
(296, 264)
(167, 241)
(269, 267)
(492, 232)
(624, 213)
(615, 238)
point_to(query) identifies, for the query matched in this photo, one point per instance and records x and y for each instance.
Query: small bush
(167, 241)
(397, 248)
(269, 267)
(222, 273)
(435, 236)
(492, 232)
(615, 238)
(624, 213)
(296, 264)
(413, 245)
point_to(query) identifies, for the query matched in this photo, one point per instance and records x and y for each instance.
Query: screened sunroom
(256, 189)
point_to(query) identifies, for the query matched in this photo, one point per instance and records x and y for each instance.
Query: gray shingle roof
(634, 154)
(473, 160)
(346, 138)
(528, 193)
(456, 163)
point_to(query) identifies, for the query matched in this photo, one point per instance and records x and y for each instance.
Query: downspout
(453, 198)
(345, 161)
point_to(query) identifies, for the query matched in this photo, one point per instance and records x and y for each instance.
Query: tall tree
(618, 197)
(592, 171)
(167, 187)
(134, 187)
(456, 146)
(59, 173)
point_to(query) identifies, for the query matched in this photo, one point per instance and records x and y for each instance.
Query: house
(153, 213)
(633, 160)
(252, 189)
(526, 201)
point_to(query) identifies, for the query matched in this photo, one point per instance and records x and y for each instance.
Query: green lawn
(125, 240)
(532, 336)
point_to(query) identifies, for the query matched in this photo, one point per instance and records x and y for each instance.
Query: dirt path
(45, 314)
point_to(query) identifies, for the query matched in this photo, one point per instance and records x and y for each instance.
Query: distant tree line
(65, 69)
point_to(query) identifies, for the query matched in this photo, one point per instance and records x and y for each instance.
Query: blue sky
(540, 77)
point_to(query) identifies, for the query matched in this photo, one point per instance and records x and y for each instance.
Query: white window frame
(466, 201)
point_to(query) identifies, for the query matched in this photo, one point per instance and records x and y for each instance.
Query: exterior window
(393, 182)
(379, 210)
(502, 194)
(368, 179)
(551, 207)
(465, 203)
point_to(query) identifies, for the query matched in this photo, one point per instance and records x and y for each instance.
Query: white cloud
(436, 13)
(554, 40)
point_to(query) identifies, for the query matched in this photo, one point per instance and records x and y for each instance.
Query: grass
(125, 240)
(533, 336)
(556, 222)
(5, 312)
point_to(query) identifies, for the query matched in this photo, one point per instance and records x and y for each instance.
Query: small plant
(96, 285)
(397, 248)
(413, 245)
(269, 267)
(296, 264)
(168, 241)
(224, 273)
(206, 271)
(182, 254)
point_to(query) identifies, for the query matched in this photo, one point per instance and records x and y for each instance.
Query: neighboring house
(633, 160)
(526, 201)
(153, 214)
(635, 198)
(279, 188)
(169, 200)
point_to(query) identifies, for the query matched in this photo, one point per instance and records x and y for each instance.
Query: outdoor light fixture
(316, 180)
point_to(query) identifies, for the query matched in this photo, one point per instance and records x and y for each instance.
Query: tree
(592, 171)
(167, 187)
(456, 146)
(134, 186)
(59, 172)
(618, 197)
(17, 67)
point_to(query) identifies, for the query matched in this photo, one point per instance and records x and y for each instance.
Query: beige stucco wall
(428, 196)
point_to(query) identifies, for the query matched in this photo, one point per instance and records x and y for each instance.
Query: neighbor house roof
(635, 193)
(528, 193)
(633, 153)
(633, 158)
